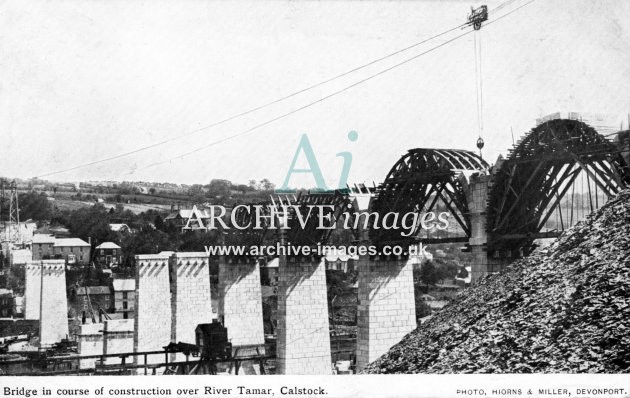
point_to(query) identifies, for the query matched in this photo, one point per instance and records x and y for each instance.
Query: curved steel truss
(296, 219)
(529, 185)
(416, 183)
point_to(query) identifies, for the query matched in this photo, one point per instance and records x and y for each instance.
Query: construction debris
(563, 309)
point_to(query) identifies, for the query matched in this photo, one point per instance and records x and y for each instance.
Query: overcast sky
(82, 81)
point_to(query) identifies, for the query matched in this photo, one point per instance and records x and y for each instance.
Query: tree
(219, 188)
(91, 223)
(422, 307)
(267, 185)
(158, 222)
(196, 241)
(146, 241)
(34, 206)
(16, 278)
(446, 269)
(197, 193)
(428, 273)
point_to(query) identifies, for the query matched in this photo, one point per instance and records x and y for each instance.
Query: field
(136, 208)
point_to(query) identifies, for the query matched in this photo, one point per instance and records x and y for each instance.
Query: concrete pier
(387, 310)
(53, 324)
(240, 300)
(303, 345)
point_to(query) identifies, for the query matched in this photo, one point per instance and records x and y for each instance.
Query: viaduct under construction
(499, 211)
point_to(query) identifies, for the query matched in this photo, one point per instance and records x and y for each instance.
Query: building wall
(120, 299)
(54, 305)
(102, 254)
(152, 318)
(33, 290)
(303, 344)
(103, 301)
(240, 301)
(81, 253)
(42, 251)
(191, 302)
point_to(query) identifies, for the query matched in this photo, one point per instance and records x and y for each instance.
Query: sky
(84, 81)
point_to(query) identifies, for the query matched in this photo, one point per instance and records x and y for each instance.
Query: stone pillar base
(90, 342)
(117, 338)
(33, 290)
(53, 323)
(240, 301)
(191, 302)
(303, 333)
(387, 307)
(152, 315)
(484, 263)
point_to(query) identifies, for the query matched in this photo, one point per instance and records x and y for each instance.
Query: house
(73, 250)
(99, 297)
(182, 217)
(125, 297)
(120, 228)
(345, 262)
(7, 303)
(43, 246)
(60, 232)
(108, 253)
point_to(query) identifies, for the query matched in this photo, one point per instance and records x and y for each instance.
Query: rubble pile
(563, 309)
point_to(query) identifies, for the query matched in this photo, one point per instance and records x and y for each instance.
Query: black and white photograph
(386, 198)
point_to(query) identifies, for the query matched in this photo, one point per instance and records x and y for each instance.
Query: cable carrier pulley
(476, 18)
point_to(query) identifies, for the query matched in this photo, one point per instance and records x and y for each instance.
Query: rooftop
(118, 227)
(43, 238)
(108, 245)
(62, 242)
(187, 213)
(124, 285)
(93, 290)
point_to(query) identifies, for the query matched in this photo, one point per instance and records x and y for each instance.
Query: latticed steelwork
(301, 213)
(529, 185)
(307, 231)
(420, 179)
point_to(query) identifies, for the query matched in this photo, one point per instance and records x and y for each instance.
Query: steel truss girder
(416, 183)
(540, 168)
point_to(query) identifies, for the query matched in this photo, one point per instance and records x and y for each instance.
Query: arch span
(417, 181)
(527, 187)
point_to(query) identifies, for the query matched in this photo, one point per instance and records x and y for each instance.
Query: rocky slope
(565, 309)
